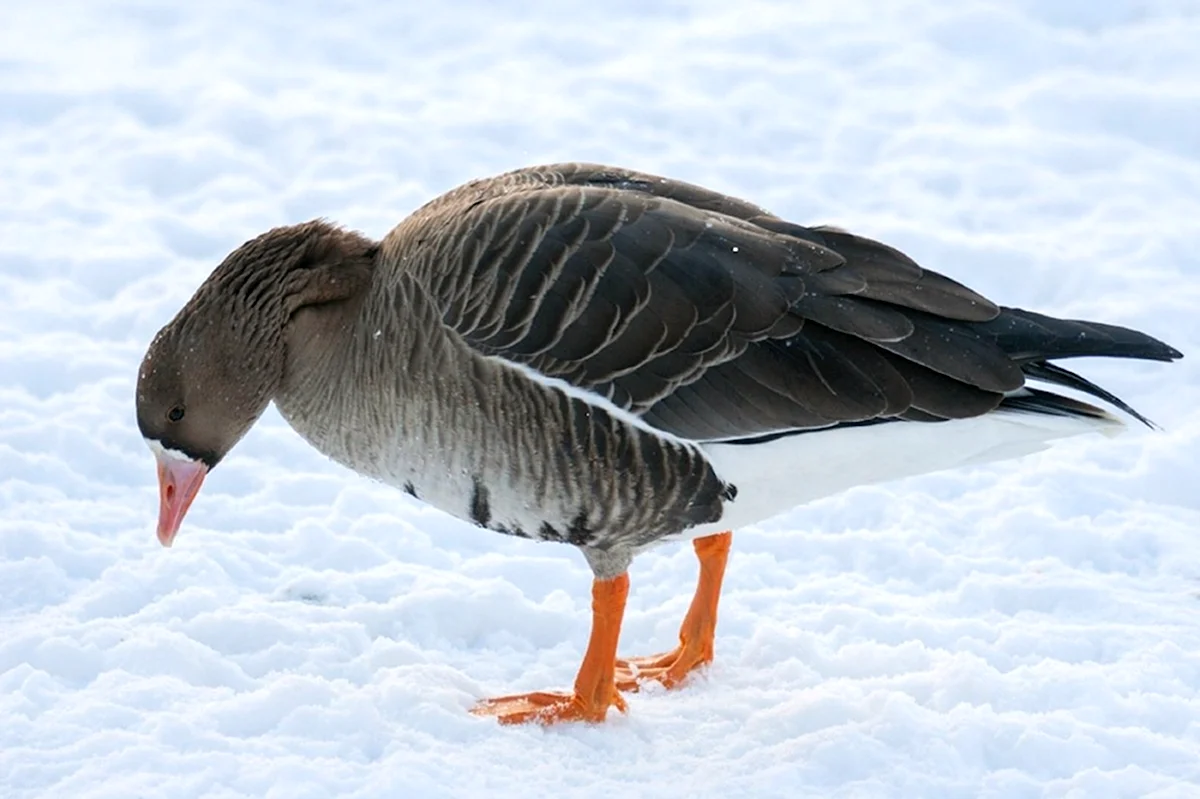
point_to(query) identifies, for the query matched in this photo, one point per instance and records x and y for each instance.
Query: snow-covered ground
(1025, 630)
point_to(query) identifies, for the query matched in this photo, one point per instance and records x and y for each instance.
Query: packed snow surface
(1026, 629)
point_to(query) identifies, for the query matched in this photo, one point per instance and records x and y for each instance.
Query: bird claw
(670, 668)
(546, 707)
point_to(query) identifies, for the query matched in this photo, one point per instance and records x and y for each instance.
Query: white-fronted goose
(605, 358)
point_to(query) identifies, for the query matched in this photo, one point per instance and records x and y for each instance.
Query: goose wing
(705, 315)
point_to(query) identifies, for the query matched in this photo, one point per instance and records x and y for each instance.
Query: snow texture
(1029, 629)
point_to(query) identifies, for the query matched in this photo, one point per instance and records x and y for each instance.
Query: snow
(1024, 629)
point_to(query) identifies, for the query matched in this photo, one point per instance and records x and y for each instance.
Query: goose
(610, 359)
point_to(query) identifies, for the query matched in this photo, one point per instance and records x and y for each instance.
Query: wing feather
(704, 314)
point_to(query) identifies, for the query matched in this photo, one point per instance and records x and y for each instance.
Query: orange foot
(669, 668)
(546, 707)
(594, 691)
(698, 630)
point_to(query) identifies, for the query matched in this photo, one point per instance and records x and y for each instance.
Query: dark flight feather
(717, 321)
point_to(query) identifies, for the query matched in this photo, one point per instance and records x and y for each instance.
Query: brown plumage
(582, 354)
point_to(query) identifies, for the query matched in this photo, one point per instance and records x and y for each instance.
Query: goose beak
(179, 480)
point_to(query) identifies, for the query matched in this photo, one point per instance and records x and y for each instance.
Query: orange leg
(595, 691)
(698, 628)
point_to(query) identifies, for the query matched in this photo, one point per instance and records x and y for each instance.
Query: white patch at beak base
(179, 481)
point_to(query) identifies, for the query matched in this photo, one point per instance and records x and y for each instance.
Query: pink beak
(179, 482)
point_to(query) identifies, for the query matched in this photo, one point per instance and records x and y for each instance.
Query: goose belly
(776, 476)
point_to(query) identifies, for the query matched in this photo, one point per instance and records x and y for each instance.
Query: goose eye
(176, 413)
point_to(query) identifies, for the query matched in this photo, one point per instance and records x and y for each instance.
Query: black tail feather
(1033, 340)
(1027, 336)
(1055, 374)
(1034, 400)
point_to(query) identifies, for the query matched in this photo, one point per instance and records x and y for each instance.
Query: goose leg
(595, 691)
(697, 631)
